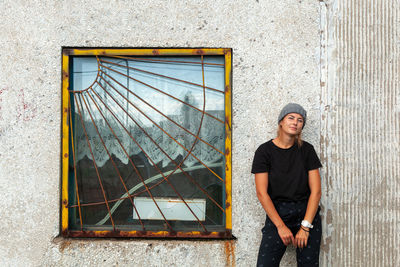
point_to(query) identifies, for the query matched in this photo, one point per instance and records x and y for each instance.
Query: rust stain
(227, 168)
(150, 234)
(200, 52)
(156, 52)
(230, 253)
(172, 234)
(66, 155)
(65, 233)
(227, 123)
(205, 233)
(68, 51)
(65, 75)
(63, 245)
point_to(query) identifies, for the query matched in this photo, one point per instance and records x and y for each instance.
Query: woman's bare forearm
(314, 181)
(265, 200)
(312, 207)
(270, 209)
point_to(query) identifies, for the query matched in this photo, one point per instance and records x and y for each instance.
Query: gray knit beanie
(293, 108)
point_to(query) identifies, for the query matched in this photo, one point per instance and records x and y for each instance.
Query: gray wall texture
(338, 58)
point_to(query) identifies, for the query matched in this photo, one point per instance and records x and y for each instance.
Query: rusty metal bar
(186, 174)
(166, 61)
(95, 80)
(163, 76)
(154, 124)
(162, 150)
(177, 99)
(73, 157)
(112, 161)
(137, 171)
(94, 162)
(141, 192)
(165, 178)
(172, 234)
(201, 121)
(158, 111)
(119, 142)
(145, 51)
(136, 194)
(183, 171)
(227, 234)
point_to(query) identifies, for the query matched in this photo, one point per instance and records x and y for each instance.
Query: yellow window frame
(65, 153)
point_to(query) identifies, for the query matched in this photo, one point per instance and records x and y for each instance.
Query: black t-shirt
(287, 169)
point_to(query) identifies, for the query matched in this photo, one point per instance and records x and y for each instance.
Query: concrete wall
(337, 58)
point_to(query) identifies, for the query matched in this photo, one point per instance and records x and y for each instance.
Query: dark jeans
(272, 248)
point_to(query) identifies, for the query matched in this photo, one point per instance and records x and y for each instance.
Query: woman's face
(292, 124)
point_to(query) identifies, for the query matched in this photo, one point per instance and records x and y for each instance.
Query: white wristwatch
(306, 224)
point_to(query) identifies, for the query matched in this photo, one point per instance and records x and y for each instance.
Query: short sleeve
(312, 161)
(261, 161)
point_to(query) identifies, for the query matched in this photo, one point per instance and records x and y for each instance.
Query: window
(146, 143)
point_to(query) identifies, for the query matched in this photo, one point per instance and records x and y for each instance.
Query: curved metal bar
(162, 114)
(112, 161)
(163, 76)
(137, 171)
(144, 184)
(166, 61)
(162, 150)
(73, 156)
(147, 181)
(165, 178)
(95, 80)
(94, 163)
(201, 121)
(155, 125)
(136, 187)
(140, 176)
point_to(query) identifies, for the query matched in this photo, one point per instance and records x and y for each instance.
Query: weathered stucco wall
(337, 58)
(360, 135)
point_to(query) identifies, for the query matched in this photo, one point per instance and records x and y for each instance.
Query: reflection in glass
(138, 127)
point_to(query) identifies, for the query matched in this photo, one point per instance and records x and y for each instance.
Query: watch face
(306, 224)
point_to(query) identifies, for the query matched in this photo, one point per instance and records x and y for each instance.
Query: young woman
(288, 187)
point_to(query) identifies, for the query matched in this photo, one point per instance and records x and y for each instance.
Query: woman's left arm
(314, 182)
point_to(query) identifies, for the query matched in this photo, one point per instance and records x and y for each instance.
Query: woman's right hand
(286, 235)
